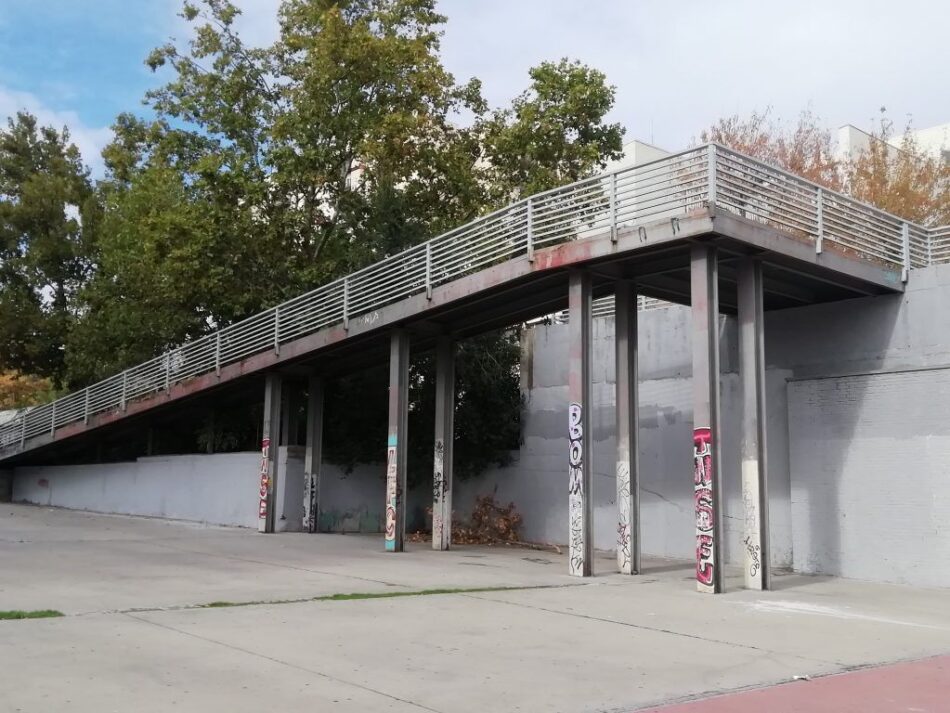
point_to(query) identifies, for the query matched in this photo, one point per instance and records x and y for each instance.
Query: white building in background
(933, 141)
(636, 153)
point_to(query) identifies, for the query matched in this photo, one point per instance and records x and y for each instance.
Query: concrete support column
(580, 532)
(270, 444)
(212, 427)
(628, 412)
(755, 499)
(6, 486)
(704, 288)
(313, 455)
(397, 440)
(444, 436)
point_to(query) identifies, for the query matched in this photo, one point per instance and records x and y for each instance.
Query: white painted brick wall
(870, 476)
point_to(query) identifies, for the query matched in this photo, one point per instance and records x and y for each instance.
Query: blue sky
(677, 64)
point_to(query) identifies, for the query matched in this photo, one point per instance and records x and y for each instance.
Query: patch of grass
(411, 593)
(369, 595)
(35, 614)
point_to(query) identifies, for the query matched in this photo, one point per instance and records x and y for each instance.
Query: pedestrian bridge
(707, 227)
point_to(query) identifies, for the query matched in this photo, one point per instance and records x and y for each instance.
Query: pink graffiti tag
(265, 477)
(703, 497)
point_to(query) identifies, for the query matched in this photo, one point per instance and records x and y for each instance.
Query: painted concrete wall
(220, 489)
(870, 485)
(352, 502)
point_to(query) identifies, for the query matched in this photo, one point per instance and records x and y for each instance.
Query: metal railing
(669, 187)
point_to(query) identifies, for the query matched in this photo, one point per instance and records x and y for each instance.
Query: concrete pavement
(130, 640)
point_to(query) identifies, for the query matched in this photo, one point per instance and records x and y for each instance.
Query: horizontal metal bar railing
(671, 186)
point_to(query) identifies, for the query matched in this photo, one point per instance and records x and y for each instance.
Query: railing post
(52, 421)
(168, 372)
(22, 430)
(530, 231)
(277, 330)
(217, 354)
(711, 175)
(428, 270)
(613, 207)
(820, 207)
(125, 389)
(346, 303)
(85, 405)
(905, 235)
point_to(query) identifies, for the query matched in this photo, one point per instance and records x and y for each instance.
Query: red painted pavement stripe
(915, 687)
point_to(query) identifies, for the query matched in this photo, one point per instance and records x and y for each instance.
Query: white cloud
(678, 66)
(257, 23)
(90, 140)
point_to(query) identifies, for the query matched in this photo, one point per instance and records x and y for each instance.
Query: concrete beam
(313, 454)
(834, 261)
(755, 500)
(270, 443)
(444, 437)
(580, 530)
(397, 441)
(707, 494)
(628, 420)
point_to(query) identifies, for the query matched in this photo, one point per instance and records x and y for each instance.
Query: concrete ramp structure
(707, 227)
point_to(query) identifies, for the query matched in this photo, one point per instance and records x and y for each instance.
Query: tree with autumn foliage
(20, 390)
(901, 179)
(805, 149)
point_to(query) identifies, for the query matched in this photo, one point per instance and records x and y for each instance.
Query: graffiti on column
(391, 497)
(751, 541)
(623, 523)
(265, 478)
(439, 487)
(576, 490)
(310, 502)
(702, 487)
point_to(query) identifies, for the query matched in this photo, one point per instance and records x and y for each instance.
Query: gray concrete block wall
(870, 485)
(221, 489)
(352, 502)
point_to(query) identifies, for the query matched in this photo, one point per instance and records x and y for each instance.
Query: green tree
(266, 172)
(48, 215)
(554, 133)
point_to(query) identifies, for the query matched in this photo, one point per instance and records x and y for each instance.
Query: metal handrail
(667, 187)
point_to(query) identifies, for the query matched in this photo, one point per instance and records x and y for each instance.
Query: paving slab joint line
(656, 629)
